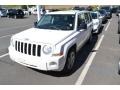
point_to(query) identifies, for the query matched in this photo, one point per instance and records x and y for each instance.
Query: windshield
(118, 7)
(102, 12)
(94, 15)
(57, 22)
(106, 8)
(3, 10)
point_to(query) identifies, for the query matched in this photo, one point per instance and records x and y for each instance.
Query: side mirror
(35, 24)
(83, 26)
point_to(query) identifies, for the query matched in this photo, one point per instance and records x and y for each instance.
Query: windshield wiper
(54, 27)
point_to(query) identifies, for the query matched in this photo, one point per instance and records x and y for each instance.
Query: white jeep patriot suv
(53, 42)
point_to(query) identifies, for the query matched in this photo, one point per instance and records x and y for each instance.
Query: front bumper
(96, 28)
(46, 64)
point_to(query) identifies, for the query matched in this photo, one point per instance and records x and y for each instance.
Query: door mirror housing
(83, 26)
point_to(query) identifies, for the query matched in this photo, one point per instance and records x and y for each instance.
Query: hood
(95, 21)
(42, 35)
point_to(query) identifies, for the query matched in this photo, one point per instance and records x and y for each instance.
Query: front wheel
(69, 61)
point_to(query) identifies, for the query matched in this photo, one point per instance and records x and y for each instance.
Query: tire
(119, 68)
(69, 61)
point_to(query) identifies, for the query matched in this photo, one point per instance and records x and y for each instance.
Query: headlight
(11, 42)
(47, 49)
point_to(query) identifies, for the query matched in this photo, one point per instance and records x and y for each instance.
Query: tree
(24, 6)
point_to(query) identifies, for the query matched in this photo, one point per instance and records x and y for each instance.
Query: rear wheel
(69, 61)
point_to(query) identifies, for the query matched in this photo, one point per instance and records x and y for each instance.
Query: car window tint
(86, 17)
(81, 19)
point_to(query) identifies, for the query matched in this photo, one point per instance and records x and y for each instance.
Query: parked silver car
(3, 13)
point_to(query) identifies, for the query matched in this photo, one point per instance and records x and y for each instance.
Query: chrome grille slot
(34, 50)
(38, 50)
(19, 46)
(16, 45)
(27, 48)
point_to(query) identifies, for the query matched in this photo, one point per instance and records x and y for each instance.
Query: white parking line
(3, 55)
(98, 44)
(13, 27)
(107, 25)
(88, 64)
(6, 36)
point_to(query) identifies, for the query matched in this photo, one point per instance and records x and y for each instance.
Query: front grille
(28, 48)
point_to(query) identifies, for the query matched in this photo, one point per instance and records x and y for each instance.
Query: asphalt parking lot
(96, 63)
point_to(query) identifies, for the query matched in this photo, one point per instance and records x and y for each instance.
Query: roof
(94, 12)
(67, 12)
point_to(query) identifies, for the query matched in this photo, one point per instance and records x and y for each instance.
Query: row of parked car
(100, 17)
(12, 13)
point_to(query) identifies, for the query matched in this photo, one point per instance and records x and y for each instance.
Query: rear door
(88, 20)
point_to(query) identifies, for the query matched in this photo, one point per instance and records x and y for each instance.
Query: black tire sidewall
(65, 69)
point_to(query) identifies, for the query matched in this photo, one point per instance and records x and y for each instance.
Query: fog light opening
(53, 64)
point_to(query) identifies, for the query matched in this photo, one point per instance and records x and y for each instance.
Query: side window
(81, 19)
(86, 17)
(47, 20)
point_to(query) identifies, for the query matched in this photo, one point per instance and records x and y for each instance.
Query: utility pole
(28, 10)
(38, 11)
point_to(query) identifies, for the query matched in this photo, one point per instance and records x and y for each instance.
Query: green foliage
(24, 6)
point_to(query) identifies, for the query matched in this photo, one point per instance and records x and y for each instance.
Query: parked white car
(53, 42)
(26, 12)
(97, 21)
